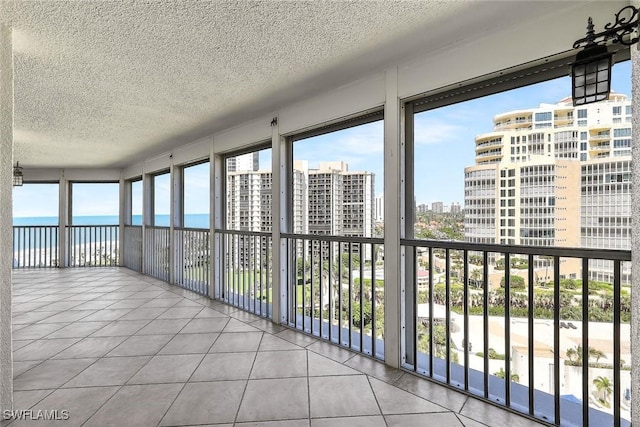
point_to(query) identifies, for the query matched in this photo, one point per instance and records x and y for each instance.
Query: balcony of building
(152, 323)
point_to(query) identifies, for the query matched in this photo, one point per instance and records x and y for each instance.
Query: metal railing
(156, 252)
(335, 291)
(92, 245)
(192, 259)
(521, 326)
(35, 246)
(246, 270)
(132, 239)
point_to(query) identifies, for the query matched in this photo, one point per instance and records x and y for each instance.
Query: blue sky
(444, 141)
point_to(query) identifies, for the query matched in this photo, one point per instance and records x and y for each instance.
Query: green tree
(515, 282)
(604, 386)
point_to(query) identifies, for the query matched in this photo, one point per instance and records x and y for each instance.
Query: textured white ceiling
(103, 84)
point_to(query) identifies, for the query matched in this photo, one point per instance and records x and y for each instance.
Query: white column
(635, 235)
(147, 215)
(175, 216)
(125, 212)
(392, 220)
(280, 223)
(216, 221)
(6, 215)
(63, 220)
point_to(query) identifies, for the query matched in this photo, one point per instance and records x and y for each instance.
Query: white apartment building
(554, 175)
(328, 200)
(243, 162)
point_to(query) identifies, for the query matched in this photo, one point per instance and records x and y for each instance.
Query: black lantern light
(18, 178)
(591, 70)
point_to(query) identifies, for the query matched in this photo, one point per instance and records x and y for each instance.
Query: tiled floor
(116, 348)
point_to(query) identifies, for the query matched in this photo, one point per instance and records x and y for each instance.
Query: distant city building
(243, 162)
(422, 208)
(328, 200)
(455, 208)
(437, 207)
(555, 175)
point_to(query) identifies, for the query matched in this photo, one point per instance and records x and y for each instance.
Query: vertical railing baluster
(530, 335)
(556, 339)
(465, 309)
(507, 328)
(373, 300)
(340, 302)
(485, 321)
(431, 310)
(311, 287)
(330, 287)
(350, 295)
(616, 343)
(447, 309)
(361, 297)
(586, 386)
(415, 336)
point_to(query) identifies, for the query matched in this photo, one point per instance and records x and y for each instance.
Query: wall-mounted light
(591, 70)
(18, 178)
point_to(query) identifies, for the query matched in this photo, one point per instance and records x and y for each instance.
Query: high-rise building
(328, 200)
(555, 175)
(455, 208)
(437, 207)
(243, 162)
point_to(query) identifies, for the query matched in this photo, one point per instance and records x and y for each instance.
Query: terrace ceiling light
(18, 178)
(591, 70)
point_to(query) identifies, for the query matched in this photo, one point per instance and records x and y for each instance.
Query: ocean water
(36, 238)
(190, 220)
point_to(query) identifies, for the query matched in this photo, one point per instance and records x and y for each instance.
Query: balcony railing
(92, 245)
(192, 259)
(35, 246)
(156, 252)
(246, 270)
(509, 325)
(337, 293)
(133, 247)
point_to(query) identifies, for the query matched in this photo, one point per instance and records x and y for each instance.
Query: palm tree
(604, 386)
(597, 354)
(571, 353)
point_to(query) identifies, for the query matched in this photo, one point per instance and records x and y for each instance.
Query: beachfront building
(193, 326)
(554, 175)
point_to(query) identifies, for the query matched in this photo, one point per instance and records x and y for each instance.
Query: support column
(63, 220)
(216, 220)
(147, 215)
(175, 219)
(124, 215)
(6, 215)
(392, 221)
(281, 172)
(635, 235)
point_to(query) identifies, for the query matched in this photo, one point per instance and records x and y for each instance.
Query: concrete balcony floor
(117, 348)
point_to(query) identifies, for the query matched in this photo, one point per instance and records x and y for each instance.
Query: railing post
(147, 216)
(392, 220)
